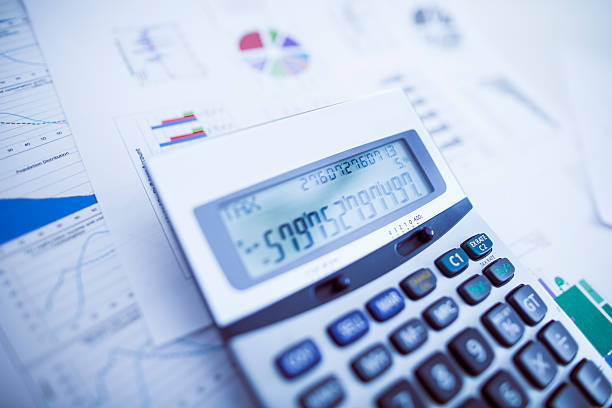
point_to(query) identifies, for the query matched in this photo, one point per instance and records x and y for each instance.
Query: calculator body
(333, 292)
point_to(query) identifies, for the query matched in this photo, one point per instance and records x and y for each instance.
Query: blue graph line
(8, 57)
(78, 277)
(138, 356)
(32, 121)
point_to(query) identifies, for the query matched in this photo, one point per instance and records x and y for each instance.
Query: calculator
(344, 265)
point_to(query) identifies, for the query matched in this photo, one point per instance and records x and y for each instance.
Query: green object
(598, 299)
(188, 113)
(559, 281)
(608, 309)
(277, 69)
(197, 129)
(273, 35)
(589, 319)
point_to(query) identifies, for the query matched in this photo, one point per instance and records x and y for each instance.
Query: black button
(327, 393)
(503, 391)
(504, 324)
(474, 290)
(372, 363)
(452, 262)
(409, 336)
(478, 246)
(472, 403)
(500, 271)
(419, 283)
(528, 304)
(441, 313)
(399, 395)
(559, 342)
(536, 364)
(592, 381)
(439, 378)
(567, 396)
(472, 351)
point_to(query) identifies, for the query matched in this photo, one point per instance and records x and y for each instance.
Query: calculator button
(567, 396)
(503, 391)
(500, 271)
(399, 395)
(472, 403)
(452, 262)
(478, 246)
(528, 304)
(348, 328)
(327, 393)
(385, 305)
(472, 351)
(559, 342)
(592, 382)
(439, 378)
(419, 283)
(504, 324)
(409, 336)
(474, 290)
(536, 364)
(298, 359)
(441, 313)
(372, 363)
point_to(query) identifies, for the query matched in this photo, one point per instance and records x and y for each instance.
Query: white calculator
(344, 266)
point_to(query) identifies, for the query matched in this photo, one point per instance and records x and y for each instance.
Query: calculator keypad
(534, 363)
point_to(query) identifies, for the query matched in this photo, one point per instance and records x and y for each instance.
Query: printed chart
(157, 53)
(273, 53)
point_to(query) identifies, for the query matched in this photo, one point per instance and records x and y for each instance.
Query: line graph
(77, 269)
(31, 120)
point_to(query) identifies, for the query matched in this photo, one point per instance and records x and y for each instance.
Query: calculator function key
(385, 305)
(528, 304)
(472, 351)
(567, 396)
(348, 328)
(372, 363)
(504, 324)
(592, 382)
(409, 336)
(500, 271)
(536, 364)
(298, 359)
(478, 246)
(503, 391)
(474, 290)
(399, 395)
(439, 378)
(327, 393)
(441, 313)
(559, 342)
(452, 262)
(419, 284)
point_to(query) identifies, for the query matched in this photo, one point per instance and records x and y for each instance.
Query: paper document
(71, 329)
(177, 74)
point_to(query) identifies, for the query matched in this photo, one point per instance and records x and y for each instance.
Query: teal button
(453, 262)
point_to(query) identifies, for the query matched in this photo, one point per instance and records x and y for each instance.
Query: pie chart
(273, 53)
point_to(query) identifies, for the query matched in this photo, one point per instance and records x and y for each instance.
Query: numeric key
(399, 395)
(472, 351)
(503, 391)
(439, 378)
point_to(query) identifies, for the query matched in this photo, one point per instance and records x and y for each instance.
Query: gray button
(536, 364)
(504, 324)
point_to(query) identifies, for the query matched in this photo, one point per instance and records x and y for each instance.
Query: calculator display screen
(279, 224)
